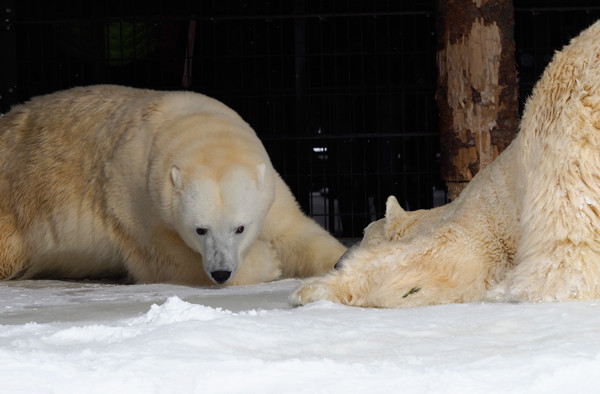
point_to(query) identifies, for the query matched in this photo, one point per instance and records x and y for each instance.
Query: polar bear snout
(221, 267)
(220, 276)
(220, 255)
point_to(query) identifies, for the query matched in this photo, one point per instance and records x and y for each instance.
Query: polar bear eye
(239, 230)
(201, 231)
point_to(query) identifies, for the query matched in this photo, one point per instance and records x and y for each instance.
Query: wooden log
(477, 93)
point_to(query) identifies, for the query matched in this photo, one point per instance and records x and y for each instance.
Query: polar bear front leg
(554, 272)
(13, 256)
(367, 278)
(370, 277)
(304, 248)
(260, 264)
(435, 270)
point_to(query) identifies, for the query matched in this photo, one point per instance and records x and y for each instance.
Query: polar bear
(527, 227)
(110, 181)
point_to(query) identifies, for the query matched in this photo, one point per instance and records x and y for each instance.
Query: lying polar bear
(174, 187)
(526, 228)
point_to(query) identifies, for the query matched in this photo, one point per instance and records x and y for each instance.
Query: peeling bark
(477, 92)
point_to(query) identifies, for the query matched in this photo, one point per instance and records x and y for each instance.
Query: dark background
(340, 92)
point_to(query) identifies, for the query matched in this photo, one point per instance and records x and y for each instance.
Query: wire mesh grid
(340, 92)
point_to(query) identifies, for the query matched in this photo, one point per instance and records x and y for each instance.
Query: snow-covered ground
(67, 337)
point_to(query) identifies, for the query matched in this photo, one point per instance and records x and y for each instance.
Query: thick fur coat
(526, 228)
(107, 181)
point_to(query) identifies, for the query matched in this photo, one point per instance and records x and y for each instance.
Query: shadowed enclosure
(341, 93)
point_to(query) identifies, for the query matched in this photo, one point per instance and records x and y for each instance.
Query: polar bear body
(526, 228)
(108, 181)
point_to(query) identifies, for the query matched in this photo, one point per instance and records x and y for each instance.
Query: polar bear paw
(312, 290)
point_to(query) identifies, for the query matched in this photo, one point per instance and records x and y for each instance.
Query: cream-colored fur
(526, 228)
(108, 181)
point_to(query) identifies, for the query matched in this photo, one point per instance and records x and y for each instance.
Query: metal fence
(340, 92)
(541, 31)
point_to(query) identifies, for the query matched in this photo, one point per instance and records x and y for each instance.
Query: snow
(81, 337)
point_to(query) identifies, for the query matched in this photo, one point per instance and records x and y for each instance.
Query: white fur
(526, 228)
(107, 180)
(220, 208)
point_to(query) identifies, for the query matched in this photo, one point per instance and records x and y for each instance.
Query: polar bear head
(219, 214)
(379, 231)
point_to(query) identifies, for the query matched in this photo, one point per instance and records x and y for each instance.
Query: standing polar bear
(526, 228)
(109, 181)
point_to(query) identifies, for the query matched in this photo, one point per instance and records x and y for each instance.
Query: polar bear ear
(176, 177)
(393, 210)
(260, 175)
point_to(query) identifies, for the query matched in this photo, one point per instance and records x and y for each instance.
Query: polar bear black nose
(220, 276)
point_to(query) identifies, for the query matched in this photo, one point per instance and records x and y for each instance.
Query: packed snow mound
(72, 337)
(174, 310)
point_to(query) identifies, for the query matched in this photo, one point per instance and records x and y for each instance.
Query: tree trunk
(477, 93)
